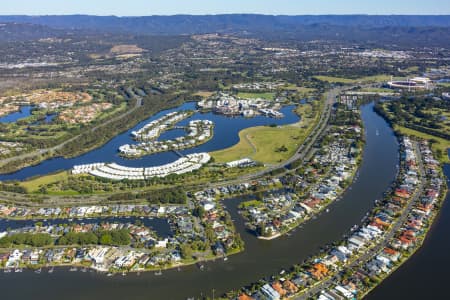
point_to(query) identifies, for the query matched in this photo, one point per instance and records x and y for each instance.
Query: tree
(106, 239)
(186, 251)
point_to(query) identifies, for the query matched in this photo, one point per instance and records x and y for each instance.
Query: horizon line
(223, 14)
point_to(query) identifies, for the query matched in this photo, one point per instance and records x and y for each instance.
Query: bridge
(178, 153)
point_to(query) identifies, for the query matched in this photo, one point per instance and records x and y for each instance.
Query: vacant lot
(33, 185)
(267, 96)
(271, 144)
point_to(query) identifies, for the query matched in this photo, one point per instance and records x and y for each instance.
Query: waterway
(260, 258)
(226, 134)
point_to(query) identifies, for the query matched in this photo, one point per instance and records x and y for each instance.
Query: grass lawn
(250, 203)
(444, 84)
(263, 142)
(413, 69)
(267, 96)
(203, 94)
(376, 78)
(441, 144)
(34, 184)
(299, 89)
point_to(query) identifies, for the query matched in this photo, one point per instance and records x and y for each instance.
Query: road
(387, 237)
(302, 151)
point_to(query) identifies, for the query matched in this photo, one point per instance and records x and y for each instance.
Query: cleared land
(368, 79)
(33, 185)
(267, 96)
(270, 144)
(204, 94)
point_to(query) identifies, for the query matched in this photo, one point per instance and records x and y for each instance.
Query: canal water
(226, 134)
(260, 258)
(160, 226)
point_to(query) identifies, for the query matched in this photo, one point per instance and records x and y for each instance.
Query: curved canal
(226, 134)
(260, 258)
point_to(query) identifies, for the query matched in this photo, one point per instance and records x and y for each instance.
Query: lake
(226, 134)
(25, 111)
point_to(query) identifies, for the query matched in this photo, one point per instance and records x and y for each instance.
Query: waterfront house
(269, 292)
(244, 296)
(318, 271)
(279, 288)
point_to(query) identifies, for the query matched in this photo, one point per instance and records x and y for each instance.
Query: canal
(260, 258)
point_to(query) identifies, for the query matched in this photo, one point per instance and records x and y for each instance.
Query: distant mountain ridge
(195, 24)
(376, 31)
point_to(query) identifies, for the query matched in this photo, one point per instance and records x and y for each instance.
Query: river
(260, 258)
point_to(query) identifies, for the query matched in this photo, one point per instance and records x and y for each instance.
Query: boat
(225, 258)
(124, 273)
(159, 273)
(73, 269)
(18, 270)
(38, 271)
(7, 271)
(377, 132)
(109, 274)
(84, 270)
(327, 210)
(50, 271)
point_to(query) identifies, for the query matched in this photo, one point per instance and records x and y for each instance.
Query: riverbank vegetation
(422, 116)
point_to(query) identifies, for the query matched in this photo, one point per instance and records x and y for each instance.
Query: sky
(200, 7)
